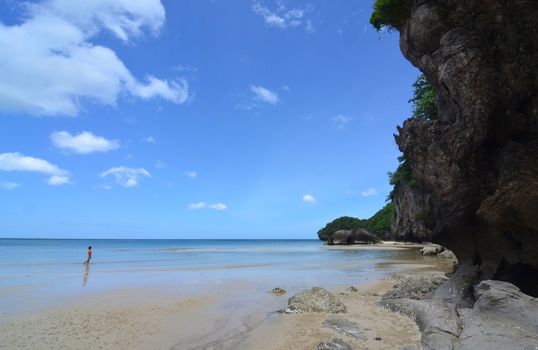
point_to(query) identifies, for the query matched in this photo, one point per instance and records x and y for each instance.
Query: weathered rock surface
(476, 166)
(449, 254)
(356, 236)
(345, 327)
(417, 287)
(314, 300)
(335, 344)
(502, 318)
(412, 220)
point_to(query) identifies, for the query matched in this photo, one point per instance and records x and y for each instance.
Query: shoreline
(236, 315)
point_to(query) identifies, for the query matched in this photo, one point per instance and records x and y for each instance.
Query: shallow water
(41, 272)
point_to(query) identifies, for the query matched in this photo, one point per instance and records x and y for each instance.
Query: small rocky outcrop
(314, 300)
(335, 344)
(356, 236)
(278, 291)
(502, 318)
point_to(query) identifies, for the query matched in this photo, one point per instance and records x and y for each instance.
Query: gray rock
(432, 250)
(314, 300)
(352, 289)
(345, 327)
(447, 254)
(438, 321)
(335, 344)
(502, 318)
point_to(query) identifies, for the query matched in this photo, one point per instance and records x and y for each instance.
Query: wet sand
(233, 316)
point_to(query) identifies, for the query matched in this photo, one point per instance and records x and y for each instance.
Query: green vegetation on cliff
(379, 224)
(424, 99)
(390, 14)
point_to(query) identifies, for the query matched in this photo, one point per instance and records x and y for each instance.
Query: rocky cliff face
(413, 214)
(478, 163)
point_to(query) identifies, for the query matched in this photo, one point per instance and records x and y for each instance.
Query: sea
(40, 272)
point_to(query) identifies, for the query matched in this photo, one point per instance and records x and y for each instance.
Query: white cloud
(160, 164)
(57, 180)
(308, 198)
(191, 173)
(49, 63)
(369, 192)
(18, 162)
(8, 185)
(83, 143)
(203, 205)
(149, 139)
(126, 177)
(341, 121)
(264, 95)
(282, 18)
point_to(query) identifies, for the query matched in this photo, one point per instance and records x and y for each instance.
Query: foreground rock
(335, 344)
(314, 300)
(503, 318)
(345, 327)
(356, 236)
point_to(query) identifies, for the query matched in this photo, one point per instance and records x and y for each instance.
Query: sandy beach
(235, 315)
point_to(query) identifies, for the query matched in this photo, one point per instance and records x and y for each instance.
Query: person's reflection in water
(86, 274)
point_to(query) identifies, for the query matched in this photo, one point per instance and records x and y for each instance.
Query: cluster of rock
(502, 317)
(438, 250)
(356, 236)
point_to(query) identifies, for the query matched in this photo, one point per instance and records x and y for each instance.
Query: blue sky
(195, 118)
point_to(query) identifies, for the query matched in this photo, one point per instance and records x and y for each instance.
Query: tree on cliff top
(390, 14)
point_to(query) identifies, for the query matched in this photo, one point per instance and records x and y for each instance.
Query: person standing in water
(87, 262)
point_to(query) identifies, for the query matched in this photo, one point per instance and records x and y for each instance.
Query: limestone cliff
(413, 219)
(477, 164)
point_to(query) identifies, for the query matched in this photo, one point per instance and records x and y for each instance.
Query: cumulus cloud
(126, 177)
(264, 95)
(83, 143)
(49, 63)
(308, 198)
(282, 17)
(340, 121)
(203, 205)
(191, 173)
(8, 185)
(369, 192)
(18, 162)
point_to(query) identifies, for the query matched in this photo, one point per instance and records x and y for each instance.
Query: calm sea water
(34, 272)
